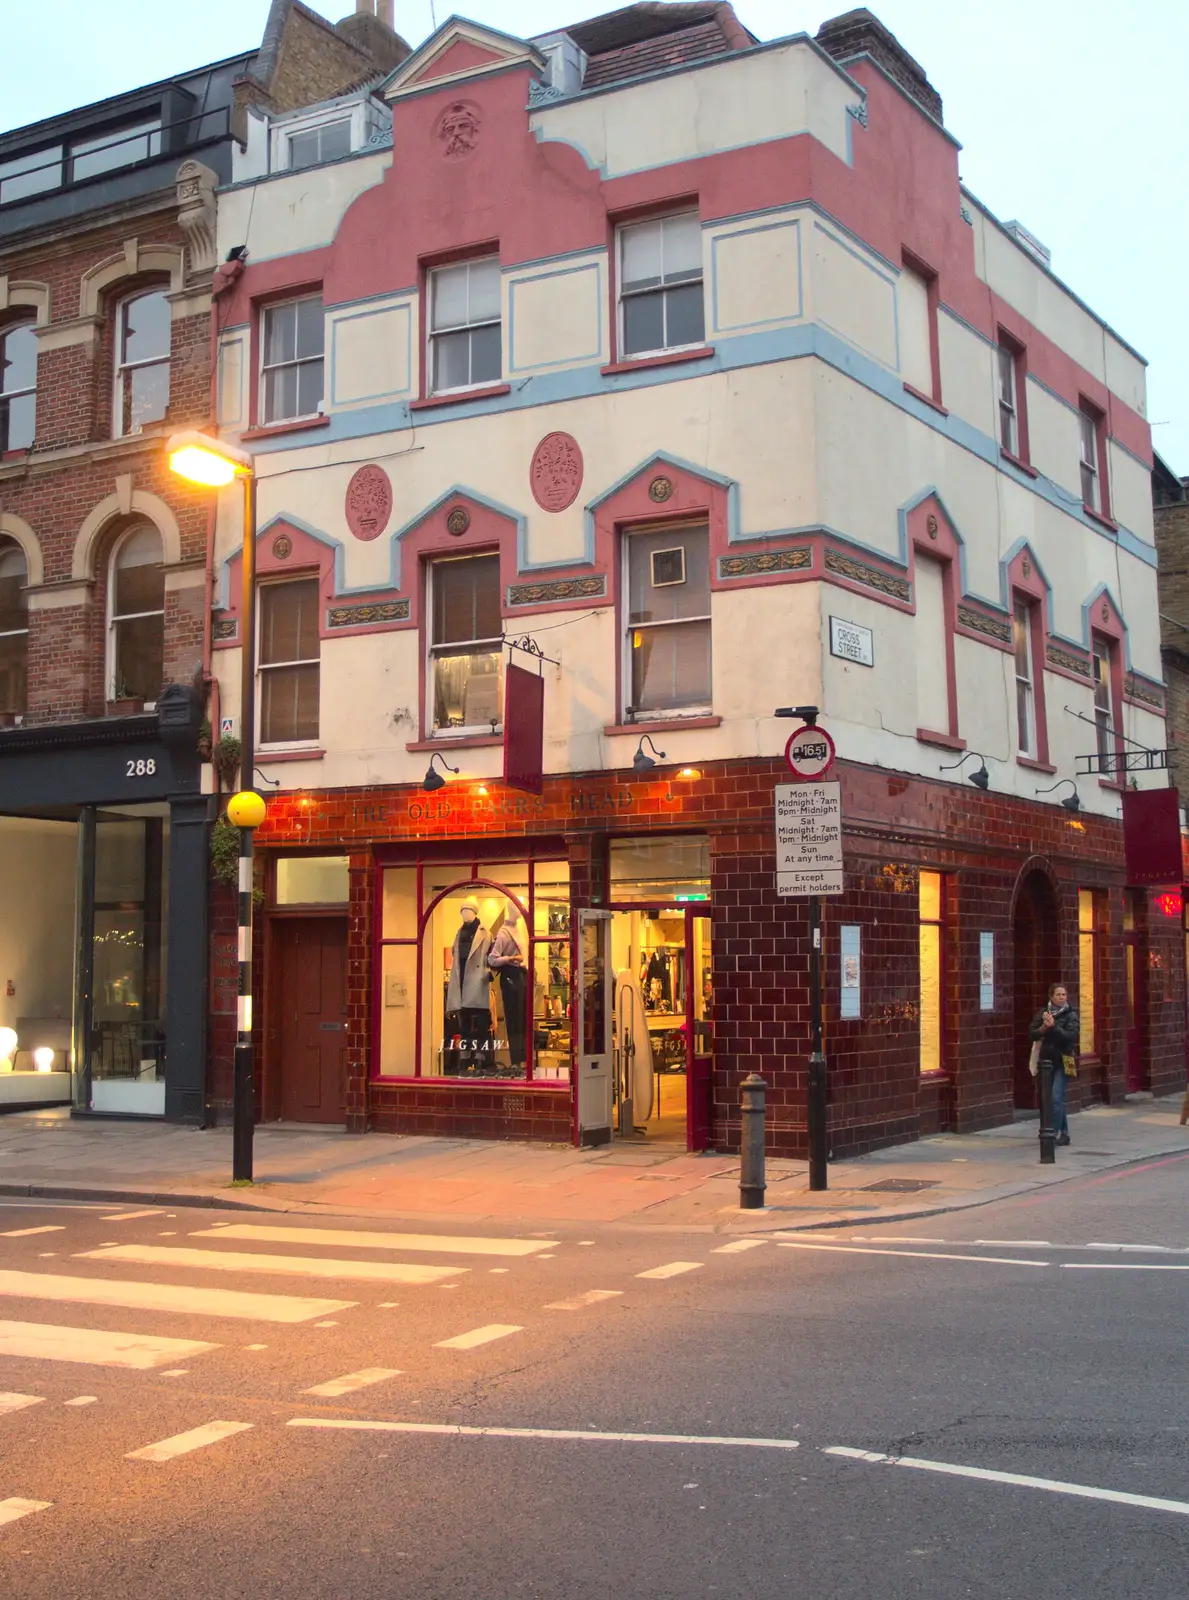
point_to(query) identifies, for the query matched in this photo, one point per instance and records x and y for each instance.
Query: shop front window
(475, 970)
(128, 955)
(668, 867)
(932, 958)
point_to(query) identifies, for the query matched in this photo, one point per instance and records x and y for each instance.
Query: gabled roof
(459, 50)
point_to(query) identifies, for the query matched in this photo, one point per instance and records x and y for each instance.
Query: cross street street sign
(808, 838)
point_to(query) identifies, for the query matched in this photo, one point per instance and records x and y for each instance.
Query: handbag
(1071, 1066)
(1034, 1058)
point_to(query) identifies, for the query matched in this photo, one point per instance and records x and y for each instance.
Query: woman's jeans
(1060, 1119)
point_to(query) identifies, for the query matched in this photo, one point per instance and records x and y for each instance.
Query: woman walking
(1056, 1029)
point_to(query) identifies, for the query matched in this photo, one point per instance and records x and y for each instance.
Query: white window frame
(1102, 651)
(621, 295)
(298, 361)
(432, 651)
(18, 633)
(282, 129)
(111, 665)
(1089, 423)
(19, 394)
(264, 744)
(699, 708)
(1027, 734)
(1008, 385)
(121, 366)
(304, 129)
(460, 327)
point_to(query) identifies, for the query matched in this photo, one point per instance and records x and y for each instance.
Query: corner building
(680, 370)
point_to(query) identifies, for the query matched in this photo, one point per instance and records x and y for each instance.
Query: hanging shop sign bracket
(1114, 763)
(529, 646)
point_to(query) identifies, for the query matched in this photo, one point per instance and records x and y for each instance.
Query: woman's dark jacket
(1061, 1039)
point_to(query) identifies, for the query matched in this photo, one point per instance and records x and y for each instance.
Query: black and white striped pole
(246, 811)
(200, 459)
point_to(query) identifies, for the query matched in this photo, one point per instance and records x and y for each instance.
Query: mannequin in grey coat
(468, 1007)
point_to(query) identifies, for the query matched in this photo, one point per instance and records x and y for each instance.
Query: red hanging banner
(1152, 836)
(524, 729)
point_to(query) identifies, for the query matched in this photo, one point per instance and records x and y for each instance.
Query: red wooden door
(309, 1026)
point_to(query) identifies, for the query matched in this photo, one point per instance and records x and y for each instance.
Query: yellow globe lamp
(246, 809)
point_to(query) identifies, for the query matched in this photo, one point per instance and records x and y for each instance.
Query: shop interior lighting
(645, 763)
(1071, 801)
(434, 780)
(43, 1058)
(980, 779)
(8, 1048)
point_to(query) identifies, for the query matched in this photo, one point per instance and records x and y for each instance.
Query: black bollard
(1048, 1137)
(753, 1093)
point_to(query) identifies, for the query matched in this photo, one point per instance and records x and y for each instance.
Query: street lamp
(201, 459)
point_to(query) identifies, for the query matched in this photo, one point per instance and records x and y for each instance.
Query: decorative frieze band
(764, 562)
(979, 622)
(1147, 694)
(363, 616)
(543, 594)
(1065, 661)
(870, 577)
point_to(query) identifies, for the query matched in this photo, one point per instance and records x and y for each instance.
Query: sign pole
(809, 862)
(815, 1105)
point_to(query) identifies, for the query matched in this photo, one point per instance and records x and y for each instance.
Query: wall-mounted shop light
(1072, 801)
(980, 779)
(645, 763)
(434, 780)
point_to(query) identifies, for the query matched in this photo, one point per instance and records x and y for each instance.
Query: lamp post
(201, 459)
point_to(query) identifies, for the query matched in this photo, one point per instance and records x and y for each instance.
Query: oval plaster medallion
(368, 502)
(555, 473)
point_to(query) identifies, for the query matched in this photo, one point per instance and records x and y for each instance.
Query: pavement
(322, 1171)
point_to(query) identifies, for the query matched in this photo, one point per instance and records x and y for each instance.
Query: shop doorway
(1135, 992)
(308, 1023)
(662, 1027)
(1037, 950)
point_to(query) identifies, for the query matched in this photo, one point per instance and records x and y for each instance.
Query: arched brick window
(142, 334)
(18, 386)
(14, 628)
(136, 616)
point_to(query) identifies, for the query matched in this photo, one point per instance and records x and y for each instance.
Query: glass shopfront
(474, 970)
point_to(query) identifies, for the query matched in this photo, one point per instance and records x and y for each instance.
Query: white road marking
(27, 1233)
(1163, 1249)
(14, 1508)
(893, 1238)
(18, 1402)
(44, 1341)
(131, 1216)
(1081, 1491)
(590, 1298)
(152, 1255)
(351, 1381)
(176, 1372)
(1125, 1266)
(917, 1255)
(326, 1324)
(582, 1434)
(1020, 1244)
(736, 1245)
(671, 1270)
(44, 1255)
(182, 1443)
(167, 1297)
(477, 1336)
(255, 1347)
(83, 1400)
(437, 1243)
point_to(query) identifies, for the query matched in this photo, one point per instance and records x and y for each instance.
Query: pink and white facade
(646, 325)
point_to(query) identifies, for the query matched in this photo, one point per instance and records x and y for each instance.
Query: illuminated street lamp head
(245, 809)
(200, 459)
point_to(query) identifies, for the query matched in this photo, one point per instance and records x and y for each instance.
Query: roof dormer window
(311, 146)
(30, 174)
(117, 147)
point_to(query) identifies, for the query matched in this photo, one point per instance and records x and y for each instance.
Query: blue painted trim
(738, 233)
(455, 490)
(1087, 642)
(538, 277)
(1005, 563)
(731, 354)
(360, 316)
(286, 517)
(932, 492)
(390, 296)
(664, 458)
(427, 48)
(864, 259)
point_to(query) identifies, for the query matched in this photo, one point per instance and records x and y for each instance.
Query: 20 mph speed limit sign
(809, 753)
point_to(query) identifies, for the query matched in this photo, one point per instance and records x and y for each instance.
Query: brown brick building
(107, 252)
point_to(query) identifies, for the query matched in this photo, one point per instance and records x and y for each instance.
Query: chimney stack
(858, 33)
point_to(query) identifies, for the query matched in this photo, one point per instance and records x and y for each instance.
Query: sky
(1068, 118)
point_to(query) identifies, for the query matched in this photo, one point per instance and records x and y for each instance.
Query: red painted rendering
(459, 56)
